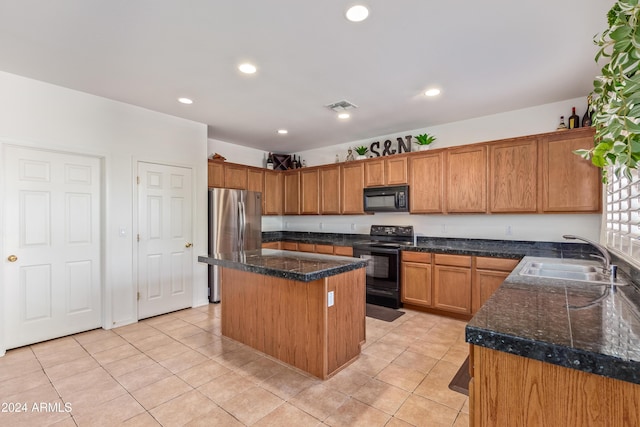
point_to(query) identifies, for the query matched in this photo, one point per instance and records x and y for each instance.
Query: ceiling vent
(341, 106)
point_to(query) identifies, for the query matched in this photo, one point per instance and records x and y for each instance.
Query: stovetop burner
(389, 236)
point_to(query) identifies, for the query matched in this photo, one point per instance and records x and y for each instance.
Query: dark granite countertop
(300, 266)
(572, 324)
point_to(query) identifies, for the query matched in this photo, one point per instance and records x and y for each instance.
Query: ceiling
(486, 56)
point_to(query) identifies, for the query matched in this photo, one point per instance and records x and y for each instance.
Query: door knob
(12, 258)
(188, 245)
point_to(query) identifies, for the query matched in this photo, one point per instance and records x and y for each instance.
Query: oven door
(382, 269)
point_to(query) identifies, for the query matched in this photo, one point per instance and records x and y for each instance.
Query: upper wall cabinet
(235, 176)
(385, 171)
(291, 192)
(352, 186)
(215, 171)
(330, 190)
(570, 183)
(309, 191)
(466, 179)
(513, 176)
(425, 183)
(272, 196)
(255, 179)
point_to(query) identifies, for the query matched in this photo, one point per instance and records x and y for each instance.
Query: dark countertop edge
(567, 357)
(283, 274)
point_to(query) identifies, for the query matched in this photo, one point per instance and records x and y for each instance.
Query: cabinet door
(513, 176)
(271, 245)
(235, 176)
(291, 193)
(255, 179)
(426, 183)
(452, 288)
(570, 183)
(289, 246)
(215, 170)
(272, 196)
(306, 247)
(330, 190)
(352, 181)
(324, 249)
(374, 173)
(416, 283)
(395, 171)
(467, 179)
(343, 250)
(309, 189)
(485, 283)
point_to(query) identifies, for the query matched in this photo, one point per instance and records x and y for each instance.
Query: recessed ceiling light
(185, 100)
(283, 131)
(247, 68)
(432, 92)
(344, 116)
(357, 13)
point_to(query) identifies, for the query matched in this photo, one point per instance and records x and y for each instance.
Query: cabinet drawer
(500, 264)
(343, 250)
(306, 247)
(424, 257)
(289, 246)
(324, 249)
(271, 245)
(454, 260)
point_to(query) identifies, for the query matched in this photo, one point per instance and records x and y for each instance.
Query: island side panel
(283, 318)
(510, 390)
(346, 318)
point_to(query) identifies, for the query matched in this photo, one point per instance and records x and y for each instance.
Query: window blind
(623, 216)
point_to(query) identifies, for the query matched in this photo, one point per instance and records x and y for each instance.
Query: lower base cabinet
(510, 390)
(310, 247)
(455, 284)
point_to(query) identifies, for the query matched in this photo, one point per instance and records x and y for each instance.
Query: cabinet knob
(12, 258)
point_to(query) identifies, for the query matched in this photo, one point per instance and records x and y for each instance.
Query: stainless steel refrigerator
(235, 225)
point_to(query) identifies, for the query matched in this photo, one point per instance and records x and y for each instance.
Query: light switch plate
(330, 299)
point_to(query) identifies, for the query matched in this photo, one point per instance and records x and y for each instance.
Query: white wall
(237, 153)
(38, 114)
(534, 120)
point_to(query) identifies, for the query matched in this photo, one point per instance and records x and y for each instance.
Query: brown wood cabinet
(390, 170)
(289, 246)
(352, 185)
(426, 183)
(309, 191)
(488, 275)
(235, 176)
(452, 283)
(466, 179)
(272, 195)
(306, 247)
(416, 274)
(271, 245)
(291, 193)
(215, 174)
(510, 390)
(570, 183)
(330, 190)
(324, 249)
(513, 176)
(343, 250)
(255, 179)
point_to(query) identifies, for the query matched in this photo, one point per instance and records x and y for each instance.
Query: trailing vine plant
(615, 100)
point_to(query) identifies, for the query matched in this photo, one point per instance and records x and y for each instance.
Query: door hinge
(138, 237)
(138, 296)
(138, 179)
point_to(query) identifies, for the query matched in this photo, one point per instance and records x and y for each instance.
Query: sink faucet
(606, 258)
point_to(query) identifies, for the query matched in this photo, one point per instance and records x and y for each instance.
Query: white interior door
(52, 271)
(165, 260)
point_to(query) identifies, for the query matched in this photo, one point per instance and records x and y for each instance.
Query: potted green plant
(616, 93)
(424, 140)
(361, 150)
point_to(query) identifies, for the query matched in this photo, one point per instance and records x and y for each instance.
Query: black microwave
(386, 199)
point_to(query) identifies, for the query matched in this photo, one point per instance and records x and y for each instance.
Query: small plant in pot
(362, 151)
(424, 141)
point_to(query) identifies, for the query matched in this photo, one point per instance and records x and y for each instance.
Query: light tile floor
(176, 369)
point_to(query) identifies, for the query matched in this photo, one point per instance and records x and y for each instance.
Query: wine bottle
(296, 164)
(586, 119)
(561, 126)
(270, 162)
(574, 120)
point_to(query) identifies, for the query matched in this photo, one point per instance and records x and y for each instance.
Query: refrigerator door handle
(242, 221)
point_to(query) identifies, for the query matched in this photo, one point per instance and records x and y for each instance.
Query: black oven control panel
(392, 230)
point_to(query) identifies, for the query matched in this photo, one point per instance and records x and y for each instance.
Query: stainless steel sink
(557, 270)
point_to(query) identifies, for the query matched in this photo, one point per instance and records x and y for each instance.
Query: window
(623, 216)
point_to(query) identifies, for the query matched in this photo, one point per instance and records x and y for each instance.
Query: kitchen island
(555, 352)
(307, 310)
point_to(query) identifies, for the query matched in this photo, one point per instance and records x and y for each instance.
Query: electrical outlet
(353, 227)
(507, 231)
(444, 228)
(330, 299)
(321, 226)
